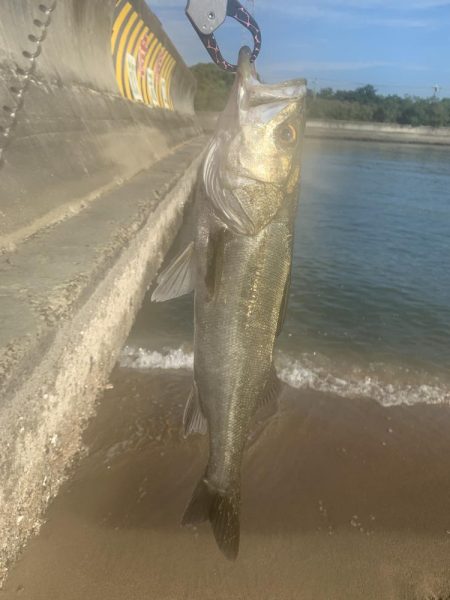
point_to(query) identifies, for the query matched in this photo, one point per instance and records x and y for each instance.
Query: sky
(399, 46)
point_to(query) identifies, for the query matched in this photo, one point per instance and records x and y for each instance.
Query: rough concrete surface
(66, 133)
(68, 297)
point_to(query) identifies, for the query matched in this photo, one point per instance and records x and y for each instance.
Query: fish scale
(229, 379)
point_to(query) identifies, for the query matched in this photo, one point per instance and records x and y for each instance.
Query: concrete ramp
(99, 153)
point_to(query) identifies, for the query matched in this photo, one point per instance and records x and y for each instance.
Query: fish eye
(287, 135)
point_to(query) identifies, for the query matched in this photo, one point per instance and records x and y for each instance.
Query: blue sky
(400, 46)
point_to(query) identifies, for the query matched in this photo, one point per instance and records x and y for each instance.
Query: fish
(239, 267)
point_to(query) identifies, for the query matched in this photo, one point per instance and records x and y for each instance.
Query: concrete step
(68, 297)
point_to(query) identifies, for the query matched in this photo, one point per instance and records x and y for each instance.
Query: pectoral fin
(179, 277)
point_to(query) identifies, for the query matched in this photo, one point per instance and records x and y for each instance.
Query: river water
(369, 309)
(342, 496)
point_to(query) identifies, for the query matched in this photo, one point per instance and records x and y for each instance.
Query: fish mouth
(262, 93)
(246, 68)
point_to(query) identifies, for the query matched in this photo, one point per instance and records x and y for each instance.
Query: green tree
(213, 87)
(361, 104)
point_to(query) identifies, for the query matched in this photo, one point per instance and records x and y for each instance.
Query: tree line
(361, 104)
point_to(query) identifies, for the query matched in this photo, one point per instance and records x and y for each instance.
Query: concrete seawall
(99, 154)
(378, 132)
(68, 132)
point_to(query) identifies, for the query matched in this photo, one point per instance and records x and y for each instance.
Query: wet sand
(342, 499)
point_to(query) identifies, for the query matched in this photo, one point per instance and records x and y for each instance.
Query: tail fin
(222, 510)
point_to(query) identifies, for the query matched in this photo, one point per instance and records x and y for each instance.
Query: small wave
(304, 374)
(299, 375)
(140, 358)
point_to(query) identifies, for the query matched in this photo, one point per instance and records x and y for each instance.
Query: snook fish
(239, 266)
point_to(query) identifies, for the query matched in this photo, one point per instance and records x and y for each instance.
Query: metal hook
(207, 15)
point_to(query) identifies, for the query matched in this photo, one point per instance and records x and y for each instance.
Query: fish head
(253, 163)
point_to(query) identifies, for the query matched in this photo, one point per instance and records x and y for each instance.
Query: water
(369, 310)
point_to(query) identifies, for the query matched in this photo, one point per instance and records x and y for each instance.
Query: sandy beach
(342, 498)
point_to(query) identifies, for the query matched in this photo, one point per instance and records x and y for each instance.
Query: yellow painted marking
(164, 71)
(169, 82)
(143, 78)
(144, 33)
(129, 43)
(162, 53)
(129, 50)
(118, 24)
(161, 65)
(151, 47)
(166, 63)
(166, 77)
(120, 52)
(151, 65)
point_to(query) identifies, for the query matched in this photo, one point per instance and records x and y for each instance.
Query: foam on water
(139, 358)
(308, 373)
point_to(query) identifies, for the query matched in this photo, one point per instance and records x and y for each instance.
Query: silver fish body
(238, 300)
(239, 266)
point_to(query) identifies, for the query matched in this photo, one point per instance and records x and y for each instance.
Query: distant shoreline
(360, 131)
(378, 132)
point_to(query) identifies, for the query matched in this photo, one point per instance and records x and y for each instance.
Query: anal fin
(179, 277)
(271, 391)
(266, 407)
(193, 419)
